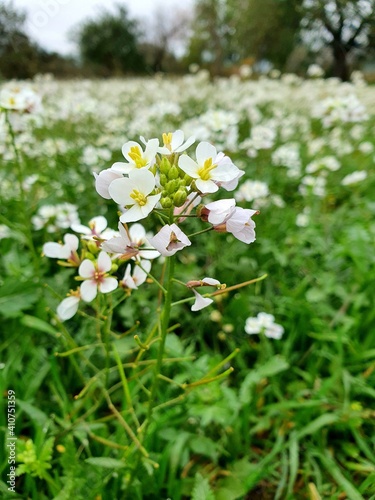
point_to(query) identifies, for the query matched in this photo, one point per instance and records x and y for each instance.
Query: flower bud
(163, 179)
(114, 267)
(166, 202)
(173, 173)
(179, 197)
(92, 247)
(172, 186)
(165, 166)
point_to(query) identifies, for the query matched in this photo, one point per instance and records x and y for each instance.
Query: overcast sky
(49, 21)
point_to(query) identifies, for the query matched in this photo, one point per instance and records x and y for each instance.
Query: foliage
(343, 25)
(110, 43)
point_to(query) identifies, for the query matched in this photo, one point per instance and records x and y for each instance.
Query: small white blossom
(169, 240)
(95, 276)
(264, 323)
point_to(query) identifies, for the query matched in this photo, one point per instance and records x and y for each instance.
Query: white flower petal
(86, 269)
(200, 302)
(103, 181)
(56, 251)
(189, 166)
(68, 308)
(204, 151)
(104, 262)
(99, 223)
(89, 290)
(108, 285)
(206, 187)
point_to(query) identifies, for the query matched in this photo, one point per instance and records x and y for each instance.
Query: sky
(50, 21)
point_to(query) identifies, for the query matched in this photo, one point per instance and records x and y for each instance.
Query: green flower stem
(152, 278)
(23, 210)
(163, 334)
(201, 232)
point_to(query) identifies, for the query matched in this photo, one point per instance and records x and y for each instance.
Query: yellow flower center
(138, 197)
(167, 140)
(204, 172)
(136, 155)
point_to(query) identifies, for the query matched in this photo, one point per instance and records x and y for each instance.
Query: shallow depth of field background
(295, 420)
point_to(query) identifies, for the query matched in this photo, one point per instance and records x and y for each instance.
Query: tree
(165, 36)
(110, 43)
(18, 55)
(210, 40)
(264, 29)
(343, 25)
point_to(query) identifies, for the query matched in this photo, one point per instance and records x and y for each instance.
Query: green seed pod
(180, 197)
(166, 202)
(164, 166)
(173, 173)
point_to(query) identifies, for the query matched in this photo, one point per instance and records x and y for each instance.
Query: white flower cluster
(154, 177)
(21, 97)
(264, 323)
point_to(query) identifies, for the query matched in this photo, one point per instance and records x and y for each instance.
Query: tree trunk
(340, 62)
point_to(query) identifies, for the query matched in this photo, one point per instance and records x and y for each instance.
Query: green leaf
(332, 468)
(272, 367)
(317, 424)
(38, 324)
(16, 296)
(106, 462)
(34, 413)
(201, 489)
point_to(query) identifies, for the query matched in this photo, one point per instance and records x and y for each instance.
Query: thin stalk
(24, 211)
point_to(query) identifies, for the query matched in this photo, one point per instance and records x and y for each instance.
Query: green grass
(294, 420)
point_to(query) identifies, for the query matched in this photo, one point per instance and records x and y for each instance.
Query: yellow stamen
(138, 197)
(204, 172)
(167, 140)
(136, 155)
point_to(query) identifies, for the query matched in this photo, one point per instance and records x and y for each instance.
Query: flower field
(187, 288)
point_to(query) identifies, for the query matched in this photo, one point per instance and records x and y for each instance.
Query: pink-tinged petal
(200, 302)
(206, 187)
(108, 285)
(115, 245)
(137, 234)
(104, 262)
(68, 308)
(189, 166)
(220, 210)
(128, 280)
(98, 223)
(121, 167)
(103, 181)
(89, 290)
(204, 151)
(56, 251)
(86, 269)
(169, 240)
